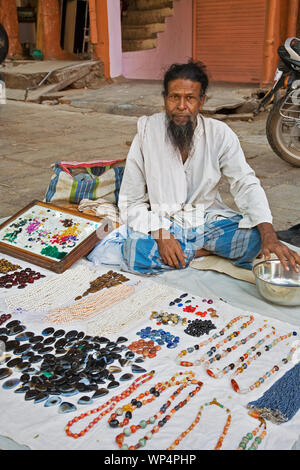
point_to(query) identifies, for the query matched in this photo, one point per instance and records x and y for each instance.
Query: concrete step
(142, 32)
(153, 4)
(138, 44)
(143, 17)
(29, 74)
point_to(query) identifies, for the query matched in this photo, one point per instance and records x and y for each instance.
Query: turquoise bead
(127, 431)
(142, 442)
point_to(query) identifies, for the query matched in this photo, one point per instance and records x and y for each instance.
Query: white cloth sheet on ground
(43, 427)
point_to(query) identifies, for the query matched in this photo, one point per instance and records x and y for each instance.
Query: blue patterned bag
(74, 181)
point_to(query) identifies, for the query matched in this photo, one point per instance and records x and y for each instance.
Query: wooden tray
(42, 214)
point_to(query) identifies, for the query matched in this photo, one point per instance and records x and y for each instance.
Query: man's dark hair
(194, 71)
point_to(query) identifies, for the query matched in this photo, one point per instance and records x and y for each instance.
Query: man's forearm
(266, 230)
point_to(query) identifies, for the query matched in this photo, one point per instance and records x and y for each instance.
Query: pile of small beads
(4, 317)
(179, 300)
(6, 266)
(199, 327)
(107, 280)
(146, 348)
(20, 278)
(166, 318)
(160, 336)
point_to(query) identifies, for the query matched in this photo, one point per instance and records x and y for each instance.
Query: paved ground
(34, 136)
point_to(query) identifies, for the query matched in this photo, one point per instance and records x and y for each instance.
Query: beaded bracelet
(252, 435)
(197, 419)
(267, 374)
(144, 423)
(147, 397)
(107, 406)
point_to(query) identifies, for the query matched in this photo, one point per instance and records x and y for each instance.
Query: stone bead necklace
(153, 419)
(106, 407)
(196, 421)
(269, 373)
(147, 397)
(207, 356)
(253, 434)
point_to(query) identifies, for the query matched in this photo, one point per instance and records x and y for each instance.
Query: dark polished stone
(36, 339)
(113, 384)
(48, 331)
(31, 395)
(11, 345)
(59, 333)
(14, 362)
(66, 407)
(100, 393)
(22, 389)
(13, 324)
(5, 372)
(11, 383)
(122, 339)
(126, 376)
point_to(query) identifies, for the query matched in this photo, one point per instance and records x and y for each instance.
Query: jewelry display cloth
(43, 428)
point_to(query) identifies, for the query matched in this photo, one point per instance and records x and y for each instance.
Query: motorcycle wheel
(283, 134)
(4, 43)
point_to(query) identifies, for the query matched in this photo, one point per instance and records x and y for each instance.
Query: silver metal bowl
(277, 285)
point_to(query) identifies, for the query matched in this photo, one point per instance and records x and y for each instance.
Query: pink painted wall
(173, 45)
(115, 38)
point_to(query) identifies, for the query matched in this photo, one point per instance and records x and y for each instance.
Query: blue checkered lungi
(221, 237)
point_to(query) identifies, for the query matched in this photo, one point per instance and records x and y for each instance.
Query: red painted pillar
(48, 30)
(99, 32)
(9, 19)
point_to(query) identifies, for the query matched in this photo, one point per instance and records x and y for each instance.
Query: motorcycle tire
(4, 44)
(274, 130)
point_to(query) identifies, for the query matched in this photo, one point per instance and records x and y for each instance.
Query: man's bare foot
(202, 252)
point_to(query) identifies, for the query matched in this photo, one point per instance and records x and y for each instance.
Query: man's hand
(271, 244)
(169, 249)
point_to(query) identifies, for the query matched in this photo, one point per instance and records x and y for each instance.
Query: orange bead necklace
(196, 421)
(106, 407)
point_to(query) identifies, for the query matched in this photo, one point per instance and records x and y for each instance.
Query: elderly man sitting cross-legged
(169, 198)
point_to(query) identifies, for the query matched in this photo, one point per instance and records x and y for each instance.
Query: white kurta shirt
(157, 185)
